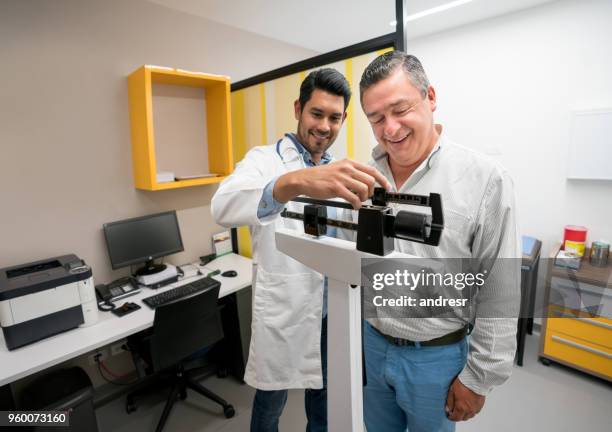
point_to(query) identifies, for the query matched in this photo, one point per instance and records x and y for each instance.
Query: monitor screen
(141, 239)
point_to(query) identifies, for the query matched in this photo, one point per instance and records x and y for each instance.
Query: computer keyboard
(180, 292)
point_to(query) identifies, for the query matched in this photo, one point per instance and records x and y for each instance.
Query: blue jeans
(407, 386)
(268, 405)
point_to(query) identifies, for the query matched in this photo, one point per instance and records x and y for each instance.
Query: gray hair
(383, 65)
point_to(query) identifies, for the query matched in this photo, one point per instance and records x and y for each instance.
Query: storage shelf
(218, 124)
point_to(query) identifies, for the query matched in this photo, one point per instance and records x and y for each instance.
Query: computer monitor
(142, 239)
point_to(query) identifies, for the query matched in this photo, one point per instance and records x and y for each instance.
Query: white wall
(507, 86)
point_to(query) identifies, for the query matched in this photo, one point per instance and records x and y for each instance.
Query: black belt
(447, 339)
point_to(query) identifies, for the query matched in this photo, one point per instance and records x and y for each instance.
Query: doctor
(288, 342)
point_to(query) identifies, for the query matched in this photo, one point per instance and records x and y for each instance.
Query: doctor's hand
(462, 403)
(346, 179)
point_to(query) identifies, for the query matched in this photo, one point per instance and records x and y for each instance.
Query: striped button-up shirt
(480, 222)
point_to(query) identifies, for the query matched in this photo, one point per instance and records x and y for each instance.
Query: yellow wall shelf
(218, 124)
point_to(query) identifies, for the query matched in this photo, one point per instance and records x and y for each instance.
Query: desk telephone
(116, 290)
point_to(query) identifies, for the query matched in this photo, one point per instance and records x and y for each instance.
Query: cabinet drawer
(579, 352)
(595, 330)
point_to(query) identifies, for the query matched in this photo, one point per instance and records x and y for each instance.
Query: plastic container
(600, 251)
(574, 239)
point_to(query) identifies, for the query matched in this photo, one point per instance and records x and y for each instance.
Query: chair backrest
(184, 327)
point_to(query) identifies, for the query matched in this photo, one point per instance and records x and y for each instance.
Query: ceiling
(324, 25)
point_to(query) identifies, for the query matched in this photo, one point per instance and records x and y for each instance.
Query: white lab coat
(285, 349)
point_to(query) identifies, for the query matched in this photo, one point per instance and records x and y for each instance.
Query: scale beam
(377, 226)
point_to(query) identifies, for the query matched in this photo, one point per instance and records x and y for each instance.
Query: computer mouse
(229, 273)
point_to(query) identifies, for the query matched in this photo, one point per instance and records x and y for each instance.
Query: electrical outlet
(101, 355)
(117, 348)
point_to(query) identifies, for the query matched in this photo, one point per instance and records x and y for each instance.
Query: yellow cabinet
(573, 333)
(215, 96)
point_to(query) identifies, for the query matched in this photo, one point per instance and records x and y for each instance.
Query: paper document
(222, 243)
(165, 176)
(195, 176)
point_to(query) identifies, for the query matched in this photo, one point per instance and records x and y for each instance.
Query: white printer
(46, 297)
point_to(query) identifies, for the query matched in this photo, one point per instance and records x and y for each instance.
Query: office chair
(180, 329)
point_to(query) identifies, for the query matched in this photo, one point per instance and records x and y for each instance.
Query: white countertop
(48, 352)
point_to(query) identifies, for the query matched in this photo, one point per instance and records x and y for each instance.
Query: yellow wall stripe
(239, 125)
(245, 247)
(350, 120)
(302, 76)
(262, 107)
(384, 50)
(240, 150)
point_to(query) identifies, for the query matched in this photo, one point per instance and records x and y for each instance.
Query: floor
(536, 398)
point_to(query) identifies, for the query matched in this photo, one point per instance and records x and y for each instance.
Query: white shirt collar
(379, 154)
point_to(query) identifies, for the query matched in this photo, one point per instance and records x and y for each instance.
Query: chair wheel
(228, 411)
(545, 361)
(130, 407)
(183, 395)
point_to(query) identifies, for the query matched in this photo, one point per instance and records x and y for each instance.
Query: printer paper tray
(42, 327)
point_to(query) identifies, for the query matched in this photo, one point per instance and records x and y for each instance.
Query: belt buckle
(406, 342)
(401, 342)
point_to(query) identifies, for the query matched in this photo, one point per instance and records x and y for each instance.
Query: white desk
(51, 351)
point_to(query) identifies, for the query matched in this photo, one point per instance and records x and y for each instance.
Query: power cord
(102, 366)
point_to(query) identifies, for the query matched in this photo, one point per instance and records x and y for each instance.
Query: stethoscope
(293, 147)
